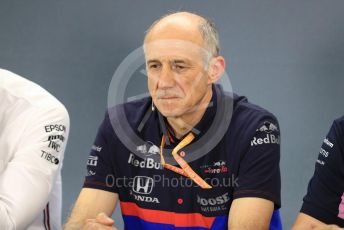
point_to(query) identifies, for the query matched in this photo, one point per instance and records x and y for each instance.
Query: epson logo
(147, 163)
(269, 139)
(213, 201)
(56, 127)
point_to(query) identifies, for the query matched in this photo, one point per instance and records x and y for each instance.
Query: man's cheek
(152, 87)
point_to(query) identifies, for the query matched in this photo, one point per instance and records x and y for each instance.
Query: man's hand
(101, 222)
(328, 227)
(86, 211)
(306, 222)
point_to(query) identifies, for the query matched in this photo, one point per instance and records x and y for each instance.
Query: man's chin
(170, 112)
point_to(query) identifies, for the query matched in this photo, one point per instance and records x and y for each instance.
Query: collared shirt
(244, 162)
(325, 195)
(34, 129)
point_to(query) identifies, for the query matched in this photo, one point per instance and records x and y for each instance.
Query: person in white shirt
(34, 128)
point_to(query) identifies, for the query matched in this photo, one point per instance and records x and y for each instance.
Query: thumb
(333, 227)
(102, 218)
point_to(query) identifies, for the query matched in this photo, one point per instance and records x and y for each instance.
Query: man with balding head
(208, 159)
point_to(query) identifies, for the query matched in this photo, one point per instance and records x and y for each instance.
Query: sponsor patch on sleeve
(325, 151)
(267, 133)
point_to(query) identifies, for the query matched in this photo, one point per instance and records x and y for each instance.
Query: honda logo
(143, 184)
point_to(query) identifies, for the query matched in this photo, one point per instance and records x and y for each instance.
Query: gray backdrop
(287, 56)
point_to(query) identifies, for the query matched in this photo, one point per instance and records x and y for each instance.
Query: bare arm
(306, 222)
(89, 204)
(250, 213)
(28, 179)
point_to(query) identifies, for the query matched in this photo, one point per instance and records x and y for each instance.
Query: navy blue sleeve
(100, 167)
(259, 173)
(324, 199)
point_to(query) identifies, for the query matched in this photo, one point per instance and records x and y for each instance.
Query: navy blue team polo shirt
(325, 196)
(243, 163)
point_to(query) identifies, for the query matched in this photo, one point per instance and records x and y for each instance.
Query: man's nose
(166, 78)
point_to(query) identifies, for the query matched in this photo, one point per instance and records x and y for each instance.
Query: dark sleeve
(324, 199)
(100, 165)
(259, 173)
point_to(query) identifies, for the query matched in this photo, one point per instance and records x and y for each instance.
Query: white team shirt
(34, 128)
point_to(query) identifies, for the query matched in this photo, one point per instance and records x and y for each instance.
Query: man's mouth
(168, 97)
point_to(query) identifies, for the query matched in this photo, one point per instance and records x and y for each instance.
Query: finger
(90, 221)
(91, 225)
(96, 226)
(102, 218)
(332, 227)
(327, 227)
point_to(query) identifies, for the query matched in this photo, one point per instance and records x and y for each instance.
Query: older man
(179, 191)
(324, 201)
(34, 129)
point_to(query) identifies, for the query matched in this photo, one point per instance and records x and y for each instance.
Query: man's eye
(180, 67)
(153, 66)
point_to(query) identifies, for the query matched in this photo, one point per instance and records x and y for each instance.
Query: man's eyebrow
(174, 61)
(152, 61)
(180, 61)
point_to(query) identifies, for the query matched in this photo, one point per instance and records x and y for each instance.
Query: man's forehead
(176, 26)
(173, 48)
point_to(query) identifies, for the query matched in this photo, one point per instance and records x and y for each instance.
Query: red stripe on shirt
(165, 217)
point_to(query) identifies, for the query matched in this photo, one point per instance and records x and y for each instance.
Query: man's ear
(216, 69)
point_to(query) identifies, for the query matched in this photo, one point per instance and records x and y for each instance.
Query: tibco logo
(49, 157)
